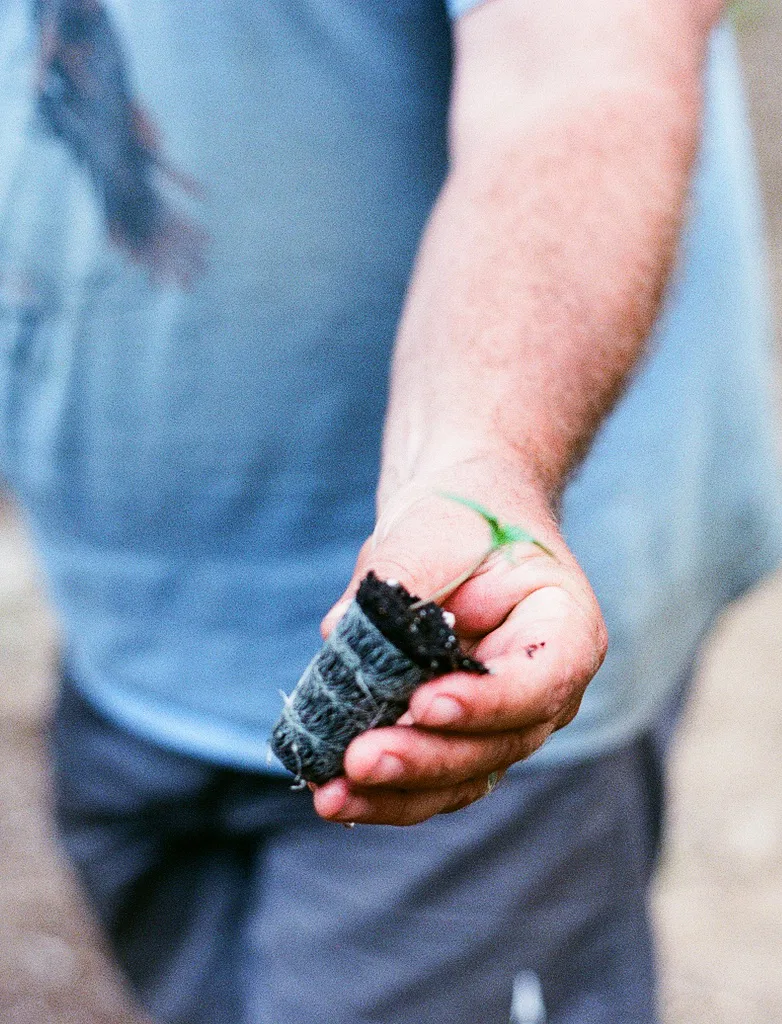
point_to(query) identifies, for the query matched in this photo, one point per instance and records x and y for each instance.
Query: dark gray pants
(228, 901)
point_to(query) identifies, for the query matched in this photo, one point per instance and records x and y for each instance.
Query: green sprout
(503, 537)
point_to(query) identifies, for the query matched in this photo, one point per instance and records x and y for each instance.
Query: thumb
(424, 546)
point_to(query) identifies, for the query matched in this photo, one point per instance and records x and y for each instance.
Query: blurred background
(718, 902)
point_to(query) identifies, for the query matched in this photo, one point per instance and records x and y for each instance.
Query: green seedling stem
(503, 536)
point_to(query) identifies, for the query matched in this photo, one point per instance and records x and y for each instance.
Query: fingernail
(330, 799)
(440, 711)
(387, 768)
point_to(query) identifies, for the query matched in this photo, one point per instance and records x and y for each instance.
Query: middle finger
(422, 758)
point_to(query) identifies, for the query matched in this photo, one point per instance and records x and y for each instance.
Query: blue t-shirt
(208, 214)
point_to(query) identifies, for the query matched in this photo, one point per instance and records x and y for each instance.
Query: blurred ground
(52, 969)
(719, 898)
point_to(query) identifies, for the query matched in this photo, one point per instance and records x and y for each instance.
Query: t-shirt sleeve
(458, 7)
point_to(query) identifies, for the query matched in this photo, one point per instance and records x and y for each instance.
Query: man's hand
(573, 131)
(531, 618)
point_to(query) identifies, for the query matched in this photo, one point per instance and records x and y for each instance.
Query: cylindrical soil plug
(382, 649)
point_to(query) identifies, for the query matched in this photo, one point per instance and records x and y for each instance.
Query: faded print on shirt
(85, 99)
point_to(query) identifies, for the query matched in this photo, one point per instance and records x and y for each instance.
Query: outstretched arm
(573, 132)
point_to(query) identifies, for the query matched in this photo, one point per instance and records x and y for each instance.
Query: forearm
(539, 276)
(542, 267)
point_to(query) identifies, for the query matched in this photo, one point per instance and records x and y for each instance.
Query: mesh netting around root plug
(360, 679)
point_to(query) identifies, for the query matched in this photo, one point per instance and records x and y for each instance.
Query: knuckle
(559, 693)
(531, 741)
(596, 638)
(587, 618)
(522, 744)
(508, 749)
(403, 812)
(444, 762)
(601, 641)
(463, 796)
(536, 739)
(569, 712)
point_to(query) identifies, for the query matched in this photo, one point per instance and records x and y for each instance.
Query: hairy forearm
(539, 276)
(574, 126)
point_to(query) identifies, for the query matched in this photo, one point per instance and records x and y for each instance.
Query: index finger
(540, 659)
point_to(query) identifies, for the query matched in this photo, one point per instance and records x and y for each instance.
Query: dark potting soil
(420, 633)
